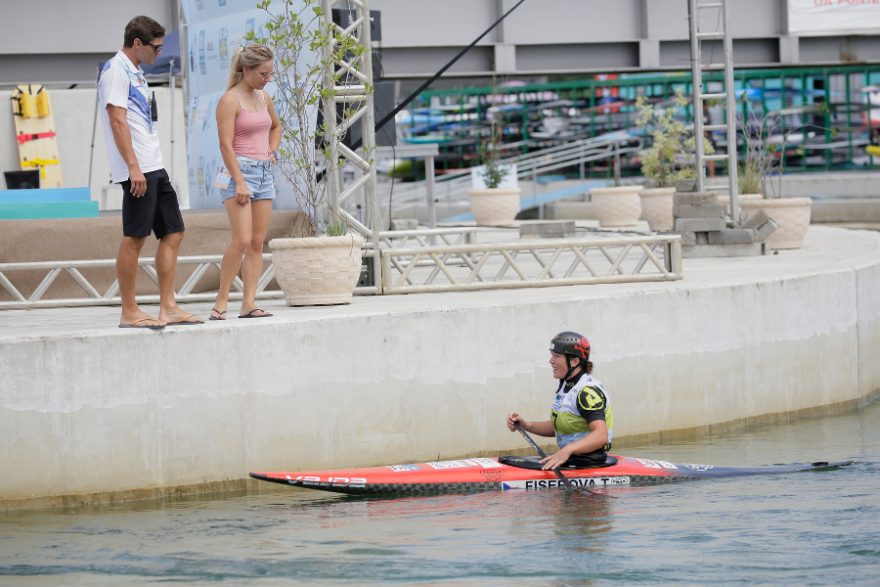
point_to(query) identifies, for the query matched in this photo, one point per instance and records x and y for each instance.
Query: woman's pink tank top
(251, 138)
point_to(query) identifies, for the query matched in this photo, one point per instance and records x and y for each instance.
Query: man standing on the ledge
(149, 202)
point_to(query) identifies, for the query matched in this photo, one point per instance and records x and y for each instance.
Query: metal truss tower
(351, 81)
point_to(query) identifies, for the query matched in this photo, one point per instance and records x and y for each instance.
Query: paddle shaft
(568, 484)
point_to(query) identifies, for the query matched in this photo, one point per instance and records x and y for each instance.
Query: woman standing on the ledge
(249, 133)
(581, 416)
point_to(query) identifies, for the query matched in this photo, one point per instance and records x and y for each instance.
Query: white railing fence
(412, 261)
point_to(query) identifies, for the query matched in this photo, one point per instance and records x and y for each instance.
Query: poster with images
(215, 28)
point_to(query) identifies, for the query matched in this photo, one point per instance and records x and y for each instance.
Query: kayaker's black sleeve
(591, 403)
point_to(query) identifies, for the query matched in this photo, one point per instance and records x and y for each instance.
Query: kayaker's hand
(555, 460)
(513, 420)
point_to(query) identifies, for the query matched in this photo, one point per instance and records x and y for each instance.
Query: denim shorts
(258, 177)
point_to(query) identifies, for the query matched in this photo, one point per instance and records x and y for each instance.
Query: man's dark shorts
(157, 210)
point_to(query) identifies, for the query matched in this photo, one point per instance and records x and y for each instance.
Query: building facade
(60, 42)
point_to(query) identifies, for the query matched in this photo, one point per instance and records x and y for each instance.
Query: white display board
(214, 29)
(833, 17)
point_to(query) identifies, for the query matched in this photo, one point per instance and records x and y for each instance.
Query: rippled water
(809, 528)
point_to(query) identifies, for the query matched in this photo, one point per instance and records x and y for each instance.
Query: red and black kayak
(515, 473)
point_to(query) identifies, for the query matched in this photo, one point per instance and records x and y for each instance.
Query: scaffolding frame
(350, 82)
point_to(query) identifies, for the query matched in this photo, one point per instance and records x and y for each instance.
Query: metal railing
(453, 187)
(93, 297)
(458, 264)
(532, 264)
(459, 235)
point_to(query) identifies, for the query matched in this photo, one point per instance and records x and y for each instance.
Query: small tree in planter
(761, 176)
(493, 171)
(307, 46)
(664, 161)
(494, 204)
(672, 142)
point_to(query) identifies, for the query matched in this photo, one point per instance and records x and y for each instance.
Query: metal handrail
(455, 186)
(464, 265)
(111, 295)
(575, 261)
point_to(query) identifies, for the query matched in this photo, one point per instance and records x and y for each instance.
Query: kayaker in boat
(581, 416)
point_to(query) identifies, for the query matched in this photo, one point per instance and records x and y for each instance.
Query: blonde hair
(249, 56)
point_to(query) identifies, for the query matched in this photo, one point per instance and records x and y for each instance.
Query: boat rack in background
(831, 104)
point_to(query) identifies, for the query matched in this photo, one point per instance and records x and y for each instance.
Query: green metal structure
(826, 116)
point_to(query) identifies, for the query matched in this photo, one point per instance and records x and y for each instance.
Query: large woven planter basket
(657, 207)
(317, 271)
(617, 206)
(495, 206)
(791, 214)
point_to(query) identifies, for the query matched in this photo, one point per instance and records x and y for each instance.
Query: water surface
(815, 528)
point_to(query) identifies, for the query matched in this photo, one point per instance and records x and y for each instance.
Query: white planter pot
(495, 206)
(617, 206)
(791, 214)
(317, 271)
(657, 207)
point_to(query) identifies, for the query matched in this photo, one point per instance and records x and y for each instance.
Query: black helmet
(571, 344)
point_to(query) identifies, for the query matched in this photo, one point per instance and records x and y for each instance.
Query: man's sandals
(186, 320)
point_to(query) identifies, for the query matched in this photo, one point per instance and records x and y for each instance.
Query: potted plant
(760, 179)
(494, 197)
(749, 180)
(322, 267)
(662, 163)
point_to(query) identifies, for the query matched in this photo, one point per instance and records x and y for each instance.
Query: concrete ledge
(88, 409)
(858, 184)
(699, 224)
(570, 211)
(846, 209)
(722, 250)
(546, 229)
(698, 211)
(251, 486)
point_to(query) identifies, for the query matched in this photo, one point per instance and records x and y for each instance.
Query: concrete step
(37, 210)
(570, 211)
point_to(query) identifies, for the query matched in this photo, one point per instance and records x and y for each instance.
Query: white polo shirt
(122, 84)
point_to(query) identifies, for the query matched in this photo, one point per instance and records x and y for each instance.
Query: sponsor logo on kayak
(697, 467)
(402, 468)
(482, 463)
(538, 484)
(307, 480)
(652, 464)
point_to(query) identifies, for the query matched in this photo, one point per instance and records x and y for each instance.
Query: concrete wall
(573, 36)
(851, 184)
(74, 114)
(407, 378)
(63, 41)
